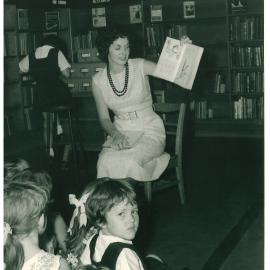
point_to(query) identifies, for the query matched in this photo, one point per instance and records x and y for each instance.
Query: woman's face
(119, 51)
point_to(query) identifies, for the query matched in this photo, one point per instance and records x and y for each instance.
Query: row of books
(248, 56)
(247, 82)
(248, 108)
(202, 110)
(84, 41)
(219, 84)
(246, 28)
(156, 33)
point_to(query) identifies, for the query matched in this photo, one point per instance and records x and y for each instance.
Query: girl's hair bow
(79, 204)
(7, 231)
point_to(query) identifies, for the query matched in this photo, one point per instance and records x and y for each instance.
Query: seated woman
(123, 87)
(136, 137)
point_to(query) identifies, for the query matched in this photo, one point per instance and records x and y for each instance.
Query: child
(103, 226)
(24, 220)
(54, 237)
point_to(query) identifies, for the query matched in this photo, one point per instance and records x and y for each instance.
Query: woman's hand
(120, 141)
(185, 40)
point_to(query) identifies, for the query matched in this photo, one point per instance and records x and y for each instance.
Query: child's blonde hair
(24, 203)
(102, 195)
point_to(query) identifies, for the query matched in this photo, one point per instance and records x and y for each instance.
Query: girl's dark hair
(108, 35)
(55, 42)
(103, 195)
(24, 203)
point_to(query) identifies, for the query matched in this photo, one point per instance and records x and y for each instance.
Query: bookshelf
(227, 95)
(14, 121)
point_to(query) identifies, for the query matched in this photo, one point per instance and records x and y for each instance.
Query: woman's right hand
(120, 141)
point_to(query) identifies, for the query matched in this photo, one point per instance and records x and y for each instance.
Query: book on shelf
(156, 13)
(178, 63)
(135, 13)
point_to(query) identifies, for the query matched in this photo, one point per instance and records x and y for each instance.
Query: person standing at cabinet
(47, 65)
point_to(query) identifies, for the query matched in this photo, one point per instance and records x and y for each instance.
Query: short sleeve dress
(133, 112)
(41, 261)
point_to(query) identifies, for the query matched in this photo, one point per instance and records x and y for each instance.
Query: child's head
(112, 207)
(13, 167)
(24, 205)
(109, 206)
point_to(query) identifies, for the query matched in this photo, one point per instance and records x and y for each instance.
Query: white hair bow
(7, 231)
(79, 204)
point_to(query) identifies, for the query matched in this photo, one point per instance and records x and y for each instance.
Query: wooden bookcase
(14, 121)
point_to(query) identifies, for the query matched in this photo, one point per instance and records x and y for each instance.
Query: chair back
(169, 108)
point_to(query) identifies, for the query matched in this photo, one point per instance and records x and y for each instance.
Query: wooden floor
(221, 225)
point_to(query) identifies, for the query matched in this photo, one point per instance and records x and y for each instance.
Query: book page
(178, 63)
(188, 65)
(169, 59)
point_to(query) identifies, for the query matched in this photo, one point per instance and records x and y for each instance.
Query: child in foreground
(103, 226)
(24, 220)
(54, 237)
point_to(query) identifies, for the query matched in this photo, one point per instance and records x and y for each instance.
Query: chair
(175, 129)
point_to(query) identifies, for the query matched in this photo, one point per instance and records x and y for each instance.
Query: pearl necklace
(117, 92)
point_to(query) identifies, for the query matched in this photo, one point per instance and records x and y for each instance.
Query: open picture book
(179, 63)
(133, 139)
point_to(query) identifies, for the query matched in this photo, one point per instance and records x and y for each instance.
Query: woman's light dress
(133, 112)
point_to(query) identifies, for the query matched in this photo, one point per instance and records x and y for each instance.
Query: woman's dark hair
(107, 36)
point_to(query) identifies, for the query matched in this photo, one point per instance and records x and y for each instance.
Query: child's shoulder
(43, 260)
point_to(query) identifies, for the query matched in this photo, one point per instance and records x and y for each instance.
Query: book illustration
(99, 17)
(133, 139)
(178, 63)
(135, 13)
(156, 13)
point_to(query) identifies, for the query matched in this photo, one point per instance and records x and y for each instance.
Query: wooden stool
(52, 112)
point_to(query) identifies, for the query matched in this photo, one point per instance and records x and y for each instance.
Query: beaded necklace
(117, 92)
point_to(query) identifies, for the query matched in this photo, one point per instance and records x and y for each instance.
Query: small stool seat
(57, 108)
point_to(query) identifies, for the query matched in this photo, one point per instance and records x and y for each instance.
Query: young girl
(103, 226)
(24, 220)
(54, 237)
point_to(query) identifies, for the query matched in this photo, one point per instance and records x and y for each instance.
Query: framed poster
(189, 9)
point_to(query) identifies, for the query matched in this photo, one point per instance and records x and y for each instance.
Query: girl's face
(119, 51)
(122, 220)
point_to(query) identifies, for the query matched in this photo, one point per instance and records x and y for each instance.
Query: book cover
(135, 13)
(156, 13)
(133, 139)
(179, 63)
(99, 17)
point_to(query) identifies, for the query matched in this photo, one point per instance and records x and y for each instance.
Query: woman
(123, 87)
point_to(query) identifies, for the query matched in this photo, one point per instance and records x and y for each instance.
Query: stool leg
(72, 140)
(47, 131)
